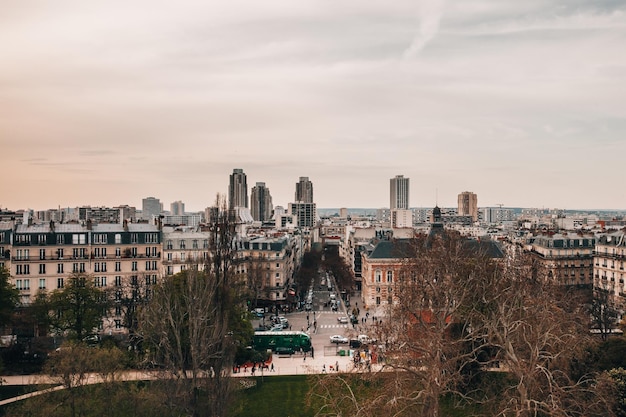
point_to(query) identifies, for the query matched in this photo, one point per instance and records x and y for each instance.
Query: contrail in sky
(430, 12)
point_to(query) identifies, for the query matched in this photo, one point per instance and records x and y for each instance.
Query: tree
(603, 313)
(9, 297)
(77, 309)
(536, 330)
(458, 315)
(193, 324)
(339, 268)
(256, 278)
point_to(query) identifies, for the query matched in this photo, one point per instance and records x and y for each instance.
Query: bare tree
(190, 325)
(536, 330)
(256, 278)
(604, 315)
(458, 315)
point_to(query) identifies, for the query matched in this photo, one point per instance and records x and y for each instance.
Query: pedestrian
(324, 368)
(312, 352)
(245, 369)
(252, 370)
(337, 366)
(272, 368)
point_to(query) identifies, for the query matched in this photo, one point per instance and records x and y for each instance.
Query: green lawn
(276, 396)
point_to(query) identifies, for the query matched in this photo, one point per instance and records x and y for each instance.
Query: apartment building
(269, 262)
(568, 257)
(184, 248)
(42, 256)
(608, 261)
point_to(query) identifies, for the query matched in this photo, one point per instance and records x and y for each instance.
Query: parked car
(342, 319)
(355, 344)
(338, 339)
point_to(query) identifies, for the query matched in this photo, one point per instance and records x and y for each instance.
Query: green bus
(282, 342)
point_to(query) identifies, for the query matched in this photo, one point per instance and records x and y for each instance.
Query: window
(182, 256)
(75, 267)
(42, 254)
(118, 238)
(194, 244)
(182, 244)
(22, 284)
(118, 323)
(378, 276)
(155, 251)
(118, 310)
(103, 266)
(59, 282)
(118, 281)
(82, 267)
(118, 266)
(42, 268)
(22, 269)
(147, 251)
(96, 267)
(59, 268)
(78, 239)
(134, 252)
(377, 301)
(22, 238)
(277, 265)
(60, 239)
(100, 238)
(170, 270)
(389, 276)
(60, 253)
(169, 245)
(205, 244)
(133, 238)
(152, 238)
(118, 252)
(42, 283)
(169, 256)
(133, 266)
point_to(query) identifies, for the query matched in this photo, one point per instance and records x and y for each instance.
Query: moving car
(336, 338)
(342, 319)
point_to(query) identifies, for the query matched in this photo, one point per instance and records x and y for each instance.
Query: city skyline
(522, 103)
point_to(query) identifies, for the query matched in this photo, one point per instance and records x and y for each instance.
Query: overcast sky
(108, 102)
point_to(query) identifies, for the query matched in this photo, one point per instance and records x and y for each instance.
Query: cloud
(430, 13)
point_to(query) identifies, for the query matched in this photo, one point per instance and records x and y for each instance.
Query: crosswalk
(333, 326)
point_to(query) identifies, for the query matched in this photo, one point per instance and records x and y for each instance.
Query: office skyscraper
(468, 205)
(304, 191)
(399, 193)
(150, 207)
(261, 202)
(177, 208)
(238, 189)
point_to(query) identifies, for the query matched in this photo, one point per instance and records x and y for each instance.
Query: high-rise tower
(238, 189)
(261, 202)
(150, 207)
(399, 193)
(468, 205)
(304, 191)
(177, 208)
